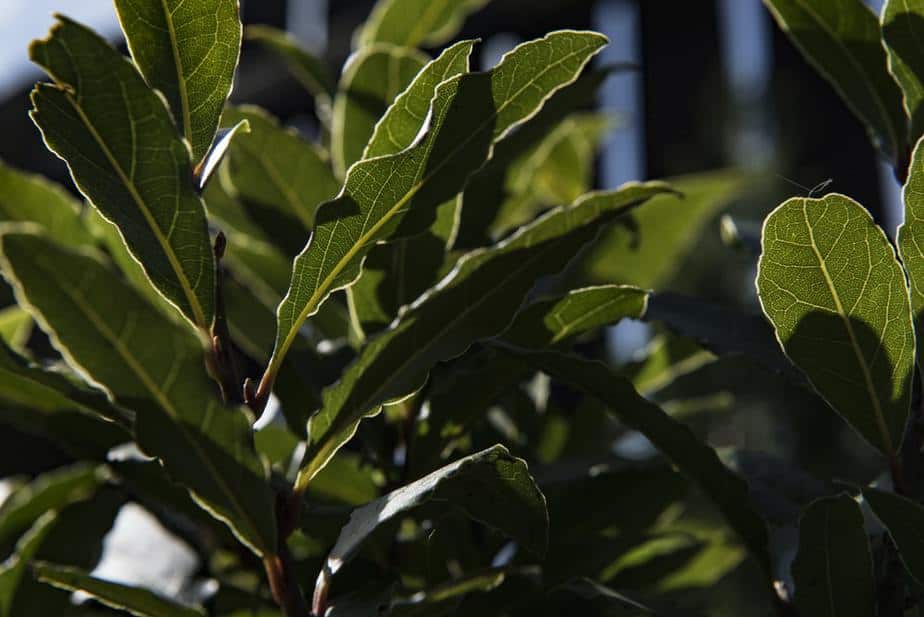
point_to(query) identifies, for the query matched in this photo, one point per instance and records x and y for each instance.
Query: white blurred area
(21, 21)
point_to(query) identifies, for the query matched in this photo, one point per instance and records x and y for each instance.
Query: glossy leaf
(903, 519)
(395, 195)
(830, 284)
(187, 49)
(114, 337)
(842, 39)
(477, 300)
(307, 69)
(413, 23)
(833, 570)
(25, 197)
(124, 154)
(275, 167)
(492, 487)
(134, 600)
(902, 21)
(371, 80)
(677, 442)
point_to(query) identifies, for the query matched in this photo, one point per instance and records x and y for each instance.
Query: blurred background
(715, 86)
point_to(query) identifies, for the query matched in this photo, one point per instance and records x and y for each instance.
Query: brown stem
(280, 568)
(223, 359)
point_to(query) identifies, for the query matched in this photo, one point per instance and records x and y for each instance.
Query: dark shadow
(822, 346)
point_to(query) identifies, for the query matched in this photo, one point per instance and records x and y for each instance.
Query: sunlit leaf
(124, 154)
(187, 49)
(414, 22)
(395, 195)
(830, 284)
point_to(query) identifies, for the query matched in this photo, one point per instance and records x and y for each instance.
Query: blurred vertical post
(306, 20)
(623, 155)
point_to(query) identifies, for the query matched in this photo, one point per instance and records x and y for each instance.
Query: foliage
(367, 374)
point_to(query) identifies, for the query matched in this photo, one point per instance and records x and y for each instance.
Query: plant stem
(280, 569)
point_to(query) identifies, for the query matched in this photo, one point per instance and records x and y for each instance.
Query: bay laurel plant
(365, 373)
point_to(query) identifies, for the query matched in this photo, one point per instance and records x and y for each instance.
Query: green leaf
(109, 333)
(275, 167)
(405, 117)
(395, 274)
(903, 519)
(910, 249)
(25, 197)
(476, 301)
(549, 322)
(666, 358)
(829, 283)
(833, 569)
(396, 195)
(371, 80)
(722, 330)
(307, 69)
(412, 23)
(501, 180)
(13, 569)
(842, 40)
(187, 49)
(902, 22)
(491, 486)
(677, 442)
(133, 600)
(124, 154)
(15, 327)
(665, 233)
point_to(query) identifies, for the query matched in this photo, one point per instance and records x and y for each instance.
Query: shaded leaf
(665, 232)
(275, 167)
(15, 327)
(902, 21)
(477, 300)
(134, 600)
(307, 69)
(842, 40)
(910, 248)
(371, 80)
(395, 195)
(94, 318)
(413, 23)
(13, 570)
(50, 491)
(124, 154)
(672, 438)
(830, 284)
(903, 519)
(720, 329)
(666, 358)
(188, 50)
(492, 487)
(833, 569)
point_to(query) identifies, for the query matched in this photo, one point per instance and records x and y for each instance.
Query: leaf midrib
(97, 321)
(854, 344)
(449, 325)
(191, 297)
(322, 289)
(180, 77)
